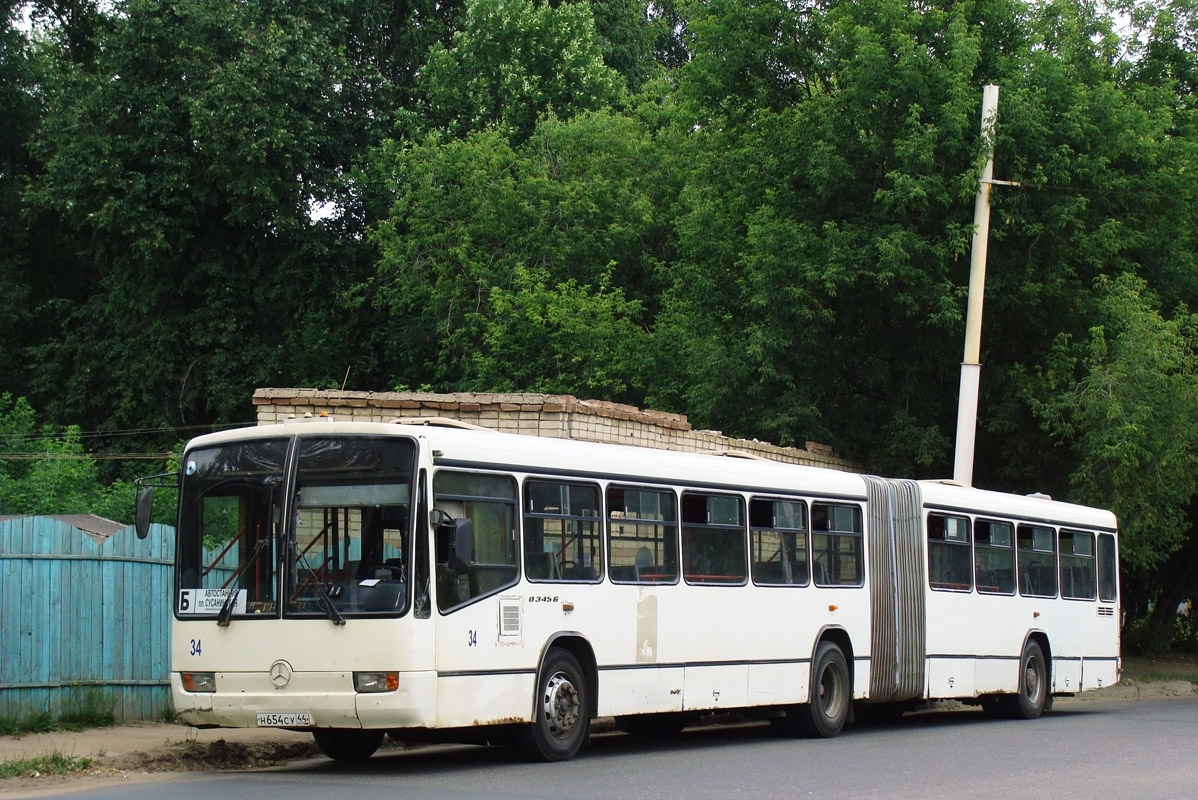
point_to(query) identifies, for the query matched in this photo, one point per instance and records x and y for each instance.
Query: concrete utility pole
(971, 367)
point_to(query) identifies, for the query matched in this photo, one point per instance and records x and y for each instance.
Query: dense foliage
(46, 471)
(754, 212)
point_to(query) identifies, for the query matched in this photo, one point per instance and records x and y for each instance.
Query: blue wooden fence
(84, 624)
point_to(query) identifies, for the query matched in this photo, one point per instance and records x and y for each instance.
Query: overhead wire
(55, 435)
(33, 440)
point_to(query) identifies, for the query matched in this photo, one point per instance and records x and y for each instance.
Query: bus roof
(950, 495)
(571, 457)
(481, 448)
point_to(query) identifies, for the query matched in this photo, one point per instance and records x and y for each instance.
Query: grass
(41, 722)
(89, 709)
(1164, 667)
(54, 764)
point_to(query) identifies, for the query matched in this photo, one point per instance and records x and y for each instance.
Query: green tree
(754, 213)
(1162, 42)
(392, 38)
(44, 469)
(1123, 401)
(562, 339)
(755, 55)
(512, 61)
(825, 225)
(571, 216)
(185, 163)
(627, 30)
(17, 123)
(1105, 188)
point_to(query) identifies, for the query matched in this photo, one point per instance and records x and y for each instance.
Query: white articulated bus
(438, 581)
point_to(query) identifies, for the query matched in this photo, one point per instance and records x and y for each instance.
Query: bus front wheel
(562, 718)
(348, 745)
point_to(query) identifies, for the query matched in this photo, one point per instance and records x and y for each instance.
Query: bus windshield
(334, 542)
(350, 547)
(230, 508)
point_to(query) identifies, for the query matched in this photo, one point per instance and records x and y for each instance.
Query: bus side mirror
(142, 507)
(455, 543)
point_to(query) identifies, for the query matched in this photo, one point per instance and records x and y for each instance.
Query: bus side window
(642, 535)
(949, 564)
(1108, 574)
(778, 542)
(837, 544)
(561, 531)
(994, 556)
(713, 538)
(1036, 546)
(489, 502)
(1077, 565)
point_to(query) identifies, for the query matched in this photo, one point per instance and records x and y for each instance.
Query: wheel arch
(839, 637)
(580, 647)
(1040, 637)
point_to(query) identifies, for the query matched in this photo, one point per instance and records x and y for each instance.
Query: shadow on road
(434, 760)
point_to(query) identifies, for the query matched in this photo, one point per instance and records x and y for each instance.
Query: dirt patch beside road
(130, 752)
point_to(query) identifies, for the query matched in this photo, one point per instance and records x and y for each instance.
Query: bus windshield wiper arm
(330, 608)
(226, 608)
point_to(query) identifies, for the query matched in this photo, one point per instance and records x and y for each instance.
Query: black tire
(561, 719)
(348, 745)
(831, 697)
(1033, 698)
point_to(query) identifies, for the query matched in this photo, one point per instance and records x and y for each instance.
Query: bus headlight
(376, 681)
(199, 681)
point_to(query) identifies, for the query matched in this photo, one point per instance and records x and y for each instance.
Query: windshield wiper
(330, 607)
(322, 596)
(226, 608)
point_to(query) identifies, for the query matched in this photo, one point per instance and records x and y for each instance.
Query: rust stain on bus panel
(478, 723)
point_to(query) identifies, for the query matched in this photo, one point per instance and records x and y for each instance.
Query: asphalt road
(1112, 748)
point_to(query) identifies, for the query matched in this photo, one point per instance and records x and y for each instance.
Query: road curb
(1135, 691)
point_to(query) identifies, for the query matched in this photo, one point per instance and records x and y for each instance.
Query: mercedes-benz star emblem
(280, 673)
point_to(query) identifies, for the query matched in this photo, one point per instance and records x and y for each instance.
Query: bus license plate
(284, 720)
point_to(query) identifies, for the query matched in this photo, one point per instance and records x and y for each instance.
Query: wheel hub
(562, 705)
(1031, 680)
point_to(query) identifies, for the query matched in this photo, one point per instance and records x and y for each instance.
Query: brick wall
(561, 416)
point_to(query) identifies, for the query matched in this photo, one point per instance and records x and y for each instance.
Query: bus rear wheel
(827, 711)
(561, 719)
(1032, 700)
(348, 745)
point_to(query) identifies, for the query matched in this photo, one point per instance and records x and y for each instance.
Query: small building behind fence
(84, 618)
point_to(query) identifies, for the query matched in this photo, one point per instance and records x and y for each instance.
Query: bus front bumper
(308, 700)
